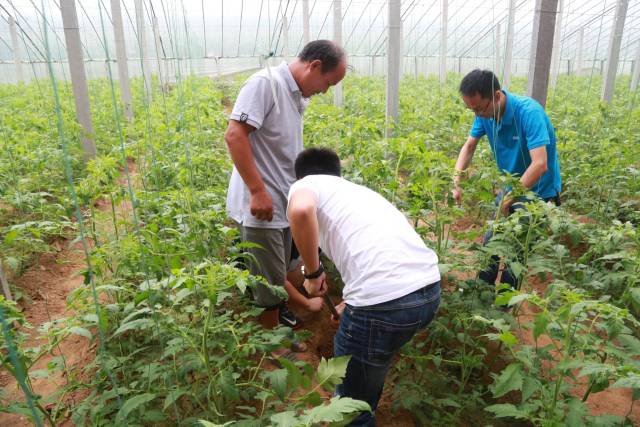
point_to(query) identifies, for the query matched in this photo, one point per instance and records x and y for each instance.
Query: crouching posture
(392, 281)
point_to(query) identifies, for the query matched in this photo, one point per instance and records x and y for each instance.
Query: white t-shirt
(377, 252)
(276, 142)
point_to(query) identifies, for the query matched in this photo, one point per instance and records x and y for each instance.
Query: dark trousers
(372, 336)
(491, 273)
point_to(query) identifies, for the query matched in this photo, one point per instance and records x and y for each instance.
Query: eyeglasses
(480, 110)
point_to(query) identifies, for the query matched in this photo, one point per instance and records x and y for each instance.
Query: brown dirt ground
(47, 285)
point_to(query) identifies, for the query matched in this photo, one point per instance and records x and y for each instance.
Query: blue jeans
(491, 273)
(372, 336)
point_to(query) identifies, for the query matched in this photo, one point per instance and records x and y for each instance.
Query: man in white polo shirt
(392, 280)
(264, 137)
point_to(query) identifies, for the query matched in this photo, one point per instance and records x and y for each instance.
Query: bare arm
(304, 228)
(464, 160)
(537, 168)
(237, 139)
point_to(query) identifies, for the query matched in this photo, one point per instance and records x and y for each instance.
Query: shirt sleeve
(254, 102)
(303, 184)
(535, 128)
(477, 130)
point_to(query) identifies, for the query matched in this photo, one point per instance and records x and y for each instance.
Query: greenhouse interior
(319, 213)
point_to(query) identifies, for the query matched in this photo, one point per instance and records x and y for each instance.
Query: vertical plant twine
(69, 175)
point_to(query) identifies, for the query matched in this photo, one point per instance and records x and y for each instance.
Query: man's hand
(316, 287)
(340, 309)
(507, 201)
(315, 304)
(457, 194)
(262, 205)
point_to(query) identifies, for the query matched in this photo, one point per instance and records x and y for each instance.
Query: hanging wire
(134, 203)
(353, 29)
(204, 29)
(416, 25)
(308, 17)
(595, 55)
(221, 28)
(284, 14)
(325, 19)
(419, 21)
(22, 31)
(76, 204)
(6, 44)
(255, 43)
(368, 32)
(240, 28)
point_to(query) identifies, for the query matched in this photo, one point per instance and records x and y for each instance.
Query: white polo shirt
(377, 252)
(276, 142)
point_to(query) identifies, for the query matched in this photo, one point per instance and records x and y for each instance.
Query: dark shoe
(287, 318)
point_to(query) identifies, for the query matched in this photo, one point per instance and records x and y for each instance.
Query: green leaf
(529, 387)
(630, 343)
(577, 410)
(540, 323)
(508, 338)
(504, 410)
(278, 379)
(131, 404)
(509, 379)
(334, 411)
(631, 381)
(518, 298)
(134, 324)
(81, 331)
(295, 377)
(283, 419)
(10, 236)
(331, 372)
(172, 397)
(210, 424)
(39, 373)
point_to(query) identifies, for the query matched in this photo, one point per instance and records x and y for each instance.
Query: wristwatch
(313, 275)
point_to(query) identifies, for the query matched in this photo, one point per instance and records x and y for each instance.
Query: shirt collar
(288, 77)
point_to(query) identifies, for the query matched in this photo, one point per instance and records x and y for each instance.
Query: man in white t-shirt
(392, 280)
(264, 137)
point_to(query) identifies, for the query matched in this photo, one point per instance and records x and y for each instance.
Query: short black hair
(483, 82)
(317, 161)
(329, 53)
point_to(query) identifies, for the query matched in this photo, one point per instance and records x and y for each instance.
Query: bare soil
(47, 285)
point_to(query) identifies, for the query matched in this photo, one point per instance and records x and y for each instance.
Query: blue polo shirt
(524, 126)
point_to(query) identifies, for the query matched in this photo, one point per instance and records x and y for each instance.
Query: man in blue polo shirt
(521, 139)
